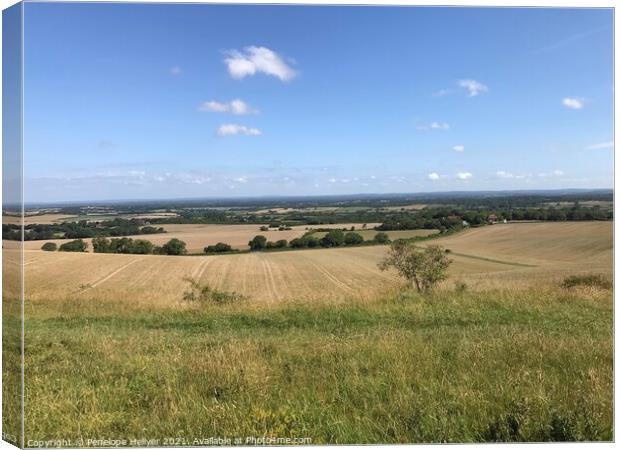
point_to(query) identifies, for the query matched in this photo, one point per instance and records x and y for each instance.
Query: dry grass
(325, 347)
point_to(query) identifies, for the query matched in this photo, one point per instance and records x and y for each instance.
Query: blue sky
(161, 101)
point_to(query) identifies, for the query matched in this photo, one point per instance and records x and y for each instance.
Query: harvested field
(518, 255)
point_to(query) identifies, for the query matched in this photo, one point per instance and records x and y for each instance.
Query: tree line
(79, 230)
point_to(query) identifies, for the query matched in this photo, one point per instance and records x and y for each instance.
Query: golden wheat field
(198, 236)
(511, 255)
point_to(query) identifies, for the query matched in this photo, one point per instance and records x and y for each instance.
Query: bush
(206, 294)
(352, 238)
(281, 243)
(382, 238)
(258, 243)
(590, 280)
(334, 238)
(77, 245)
(313, 242)
(220, 247)
(174, 247)
(49, 247)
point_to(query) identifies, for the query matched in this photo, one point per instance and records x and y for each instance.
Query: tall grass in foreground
(451, 367)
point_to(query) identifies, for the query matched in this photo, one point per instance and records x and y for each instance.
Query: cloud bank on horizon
(370, 113)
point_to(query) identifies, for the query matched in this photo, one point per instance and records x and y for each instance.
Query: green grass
(451, 367)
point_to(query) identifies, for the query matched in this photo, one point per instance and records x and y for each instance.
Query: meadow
(323, 345)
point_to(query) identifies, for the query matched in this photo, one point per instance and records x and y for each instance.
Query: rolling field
(518, 254)
(197, 237)
(326, 346)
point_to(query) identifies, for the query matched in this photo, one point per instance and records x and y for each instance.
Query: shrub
(220, 247)
(382, 238)
(313, 242)
(49, 247)
(591, 280)
(352, 238)
(258, 243)
(77, 245)
(206, 294)
(281, 243)
(174, 247)
(334, 238)
(298, 243)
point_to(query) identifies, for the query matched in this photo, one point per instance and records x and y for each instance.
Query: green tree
(49, 247)
(258, 243)
(102, 245)
(141, 247)
(77, 245)
(334, 238)
(281, 243)
(352, 238)
(174, 247)
(220, 247)
(382, 238)
(422, 267)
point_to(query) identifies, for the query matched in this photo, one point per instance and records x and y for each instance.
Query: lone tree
(422, 267)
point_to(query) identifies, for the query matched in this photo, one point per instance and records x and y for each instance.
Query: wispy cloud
(568, 40)
(573, 102)
(459, 148)
(600, 145)
(253, 60)
(233, 129)
(434, 126)
(473, 87)
(509, 175)
(237, 107)
(464, 175)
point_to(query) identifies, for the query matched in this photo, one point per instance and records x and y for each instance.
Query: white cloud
(237, 107)
(232, 129)
(473, 87)
(554, 173)
(241, 179)
(504, 174)
(573, 102)
(459, 148)
(600, 145)
(464, 175)
(434, 126)
(434, 176)
(332, 180)
(257, 59)
(175, 70)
